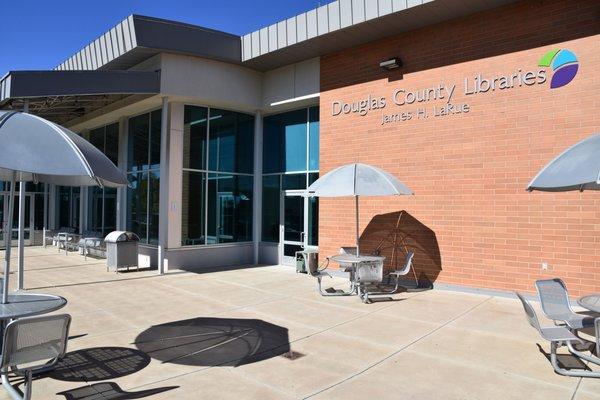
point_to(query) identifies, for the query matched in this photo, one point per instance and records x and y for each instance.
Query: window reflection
(217, 195)
(144, 176)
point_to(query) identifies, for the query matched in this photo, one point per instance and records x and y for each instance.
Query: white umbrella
(34, 149)
(357, 180)
(577, 168)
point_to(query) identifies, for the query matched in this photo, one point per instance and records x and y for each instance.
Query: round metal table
(590, 302)
(27, 304)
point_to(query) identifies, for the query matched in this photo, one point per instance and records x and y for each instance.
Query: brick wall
(471, 220)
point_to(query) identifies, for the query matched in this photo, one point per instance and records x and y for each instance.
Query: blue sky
(40, 34)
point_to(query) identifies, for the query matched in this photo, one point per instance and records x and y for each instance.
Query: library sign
(564, 67)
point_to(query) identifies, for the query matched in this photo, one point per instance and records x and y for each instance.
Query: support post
(8, 237)
(163, 219)
(21, 238)
(257, 201)
(357, 230)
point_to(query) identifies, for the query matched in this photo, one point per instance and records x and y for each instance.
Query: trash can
(307, 261)
(121, 250)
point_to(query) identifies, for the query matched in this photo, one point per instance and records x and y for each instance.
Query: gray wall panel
(371, 9)
(385, 7)
(291, 31)
(281, 34)
(398, 5)
(345, 13)
(311, 24)
(322, 20)
(358, 11)
(247, 47)
(255, 44)
(211, 257)
(273, 37)
(333, 10)
(264, 40)
(301, 33)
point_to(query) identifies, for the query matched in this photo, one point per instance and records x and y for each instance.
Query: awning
(61, 96)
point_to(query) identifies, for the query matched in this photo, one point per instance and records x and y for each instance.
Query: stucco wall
(471, 221)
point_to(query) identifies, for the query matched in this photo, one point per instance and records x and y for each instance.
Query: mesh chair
(556, 305)
(32, 345)
(557, 336)
(404, 271)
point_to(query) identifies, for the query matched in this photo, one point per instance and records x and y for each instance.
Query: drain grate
(292, 355)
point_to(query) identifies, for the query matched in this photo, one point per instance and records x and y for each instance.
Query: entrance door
(226, 217)
(293, 226)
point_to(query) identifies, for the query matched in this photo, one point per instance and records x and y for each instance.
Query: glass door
(294, 225)
(226, 217)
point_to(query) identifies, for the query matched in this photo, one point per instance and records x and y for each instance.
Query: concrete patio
(427, 345)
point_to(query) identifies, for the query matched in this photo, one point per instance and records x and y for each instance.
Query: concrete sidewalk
(427, 345)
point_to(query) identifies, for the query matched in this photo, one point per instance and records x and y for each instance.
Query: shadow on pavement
(214, 341)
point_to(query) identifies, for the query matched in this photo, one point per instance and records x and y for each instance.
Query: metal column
(258, 159)
(21, 243)
(163, 224)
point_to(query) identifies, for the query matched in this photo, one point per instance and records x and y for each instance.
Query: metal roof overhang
(271, 47)
(61, 96)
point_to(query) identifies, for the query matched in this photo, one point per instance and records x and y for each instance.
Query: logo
(564, 64)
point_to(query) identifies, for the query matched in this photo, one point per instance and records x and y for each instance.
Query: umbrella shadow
(110, 390)
(214, 341)
(393, 235)
(99, 363)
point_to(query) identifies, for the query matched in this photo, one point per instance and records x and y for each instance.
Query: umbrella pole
(8, 238)
(357, 234)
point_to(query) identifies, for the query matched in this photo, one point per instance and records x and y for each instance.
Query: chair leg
(582, 355)
(14, 393)
(336, 293)
(566, 372)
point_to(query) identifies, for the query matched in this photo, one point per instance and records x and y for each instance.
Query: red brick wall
(471, 216)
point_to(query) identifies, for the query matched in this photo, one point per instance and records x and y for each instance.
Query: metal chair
(556, 305)
(597, 327)
(557, 336)
(32, 345)
(404, 271)
(320, 274)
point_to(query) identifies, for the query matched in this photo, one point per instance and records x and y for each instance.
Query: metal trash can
(121, 250)
(307, 261)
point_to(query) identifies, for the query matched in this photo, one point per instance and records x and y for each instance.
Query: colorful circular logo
(564, 64)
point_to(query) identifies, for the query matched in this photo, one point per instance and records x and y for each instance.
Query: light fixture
(391, 63)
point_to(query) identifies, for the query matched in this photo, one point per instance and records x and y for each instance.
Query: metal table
(590, 302)
(23, 304)
(364, 270)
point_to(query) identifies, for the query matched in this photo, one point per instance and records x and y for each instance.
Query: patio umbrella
(577, 168)
(34, 149)
(357, 180)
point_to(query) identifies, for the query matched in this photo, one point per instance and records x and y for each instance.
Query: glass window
(217, 194)
(290, 144)
(231, 142)
(143, 195)
(111, 143)
(313, 138)
(102, 210)
(192, 208)
(194, 137)
(67, 207)
(270, 208)
(284, 141)
(155, 123)
(293, 181)
(138, 142)
(137, 196)
(229, 205)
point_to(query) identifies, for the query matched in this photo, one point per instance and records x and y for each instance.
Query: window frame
(207, 172)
